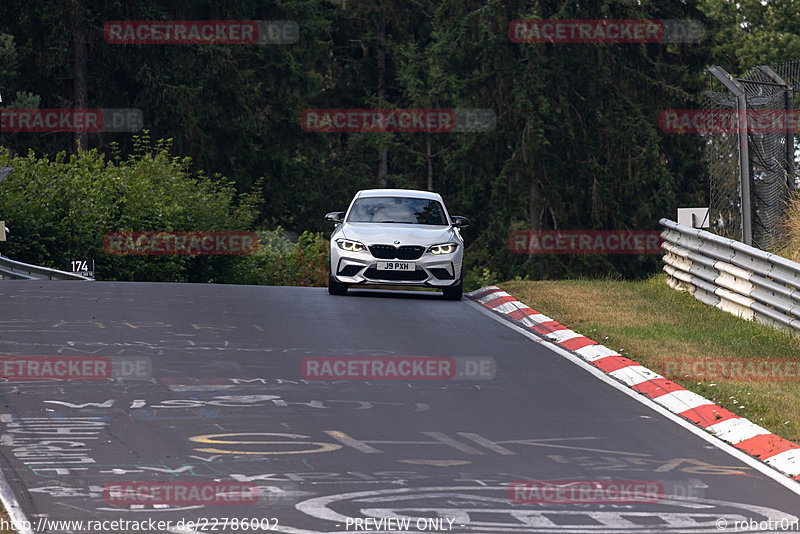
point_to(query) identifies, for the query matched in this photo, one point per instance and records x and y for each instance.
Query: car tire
(454, 292)
(336, 288)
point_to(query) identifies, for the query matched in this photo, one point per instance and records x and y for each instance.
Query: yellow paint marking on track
(79, 323)
(436, 463)
(212, 439)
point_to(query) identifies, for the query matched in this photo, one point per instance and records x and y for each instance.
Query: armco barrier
(26, 271)
(732, 276)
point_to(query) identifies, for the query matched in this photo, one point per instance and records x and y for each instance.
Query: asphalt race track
(208, 388)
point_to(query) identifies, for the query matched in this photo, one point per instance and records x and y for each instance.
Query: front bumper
(360, 268)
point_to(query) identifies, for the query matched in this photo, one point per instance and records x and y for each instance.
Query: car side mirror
(460, 222)
(335, 216)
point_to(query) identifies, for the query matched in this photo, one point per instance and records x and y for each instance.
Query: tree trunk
(81, 70)
(534, 205)
(429, 157)
(380, 33)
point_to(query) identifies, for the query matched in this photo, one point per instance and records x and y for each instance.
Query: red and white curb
(781, 454)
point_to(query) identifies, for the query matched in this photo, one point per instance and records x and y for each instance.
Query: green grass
(651, 324)
(4, 515)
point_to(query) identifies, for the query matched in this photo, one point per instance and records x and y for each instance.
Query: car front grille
(390, 252)
(396, 276)
(383, 252)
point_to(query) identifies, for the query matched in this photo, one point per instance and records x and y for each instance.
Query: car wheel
(454, 292)
(336, 288)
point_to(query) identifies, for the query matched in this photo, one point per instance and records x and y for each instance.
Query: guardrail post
(744, 154)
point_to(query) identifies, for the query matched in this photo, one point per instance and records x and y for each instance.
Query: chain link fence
(767, 157)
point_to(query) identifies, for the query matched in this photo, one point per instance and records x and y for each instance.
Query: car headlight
(444, 248)
(350, 246)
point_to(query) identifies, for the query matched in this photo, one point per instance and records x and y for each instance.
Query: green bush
(59, 210)
(282, 261)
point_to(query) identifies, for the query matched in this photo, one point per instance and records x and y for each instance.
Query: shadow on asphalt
(394, 293)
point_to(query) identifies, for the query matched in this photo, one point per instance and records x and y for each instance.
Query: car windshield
(398, 210)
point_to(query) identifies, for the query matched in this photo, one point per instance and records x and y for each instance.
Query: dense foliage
(576, 143)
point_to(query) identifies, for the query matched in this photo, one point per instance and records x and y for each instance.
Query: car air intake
(442, 274)
(350, 270)
(390, 252)
(396, 276)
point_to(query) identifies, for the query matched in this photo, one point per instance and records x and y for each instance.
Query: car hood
(407, 234)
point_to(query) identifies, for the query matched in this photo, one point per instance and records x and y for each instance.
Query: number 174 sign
(82, 267)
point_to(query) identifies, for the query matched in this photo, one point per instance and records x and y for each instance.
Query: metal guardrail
(26, 271)
(732, 276)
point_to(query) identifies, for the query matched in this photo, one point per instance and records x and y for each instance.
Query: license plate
(395, 266)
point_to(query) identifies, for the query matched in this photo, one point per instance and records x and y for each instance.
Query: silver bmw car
(396, 237)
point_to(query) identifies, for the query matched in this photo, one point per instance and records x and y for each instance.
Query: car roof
(412, 193)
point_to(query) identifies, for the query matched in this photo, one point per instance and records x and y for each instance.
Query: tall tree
(751, 32)
(81, 68)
